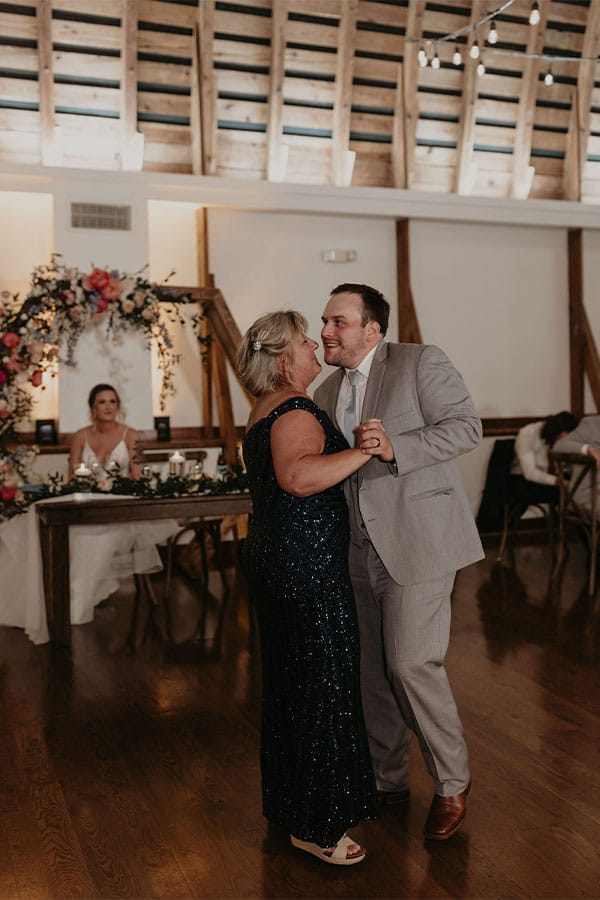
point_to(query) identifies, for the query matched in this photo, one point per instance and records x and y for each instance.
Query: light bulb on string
(422, 57)
(493, 35)
(474, 51)
(534, 15)
(457, 58)
(480, 68)
(549, 77)
(435, 62)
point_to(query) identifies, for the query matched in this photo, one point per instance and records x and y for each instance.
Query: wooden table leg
(54, 541)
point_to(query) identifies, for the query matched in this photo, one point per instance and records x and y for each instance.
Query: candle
(82, 471)
(176, 463)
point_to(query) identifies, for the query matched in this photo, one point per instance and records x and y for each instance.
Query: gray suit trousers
(404, 634)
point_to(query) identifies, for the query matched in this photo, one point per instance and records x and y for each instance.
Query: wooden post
(576, 314)
(408, 324)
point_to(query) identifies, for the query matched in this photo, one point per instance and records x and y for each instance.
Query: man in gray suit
(584, 439)
(411, 529)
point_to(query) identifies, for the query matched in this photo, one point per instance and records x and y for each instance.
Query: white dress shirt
(531, 455)
(364, 368)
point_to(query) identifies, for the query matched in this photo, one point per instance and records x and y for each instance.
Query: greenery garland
(17, 499)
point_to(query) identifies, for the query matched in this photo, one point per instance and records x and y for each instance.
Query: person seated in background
(585, 439)
(531, 479)
(107, 446)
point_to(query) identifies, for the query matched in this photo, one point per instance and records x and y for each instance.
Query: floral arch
(62, 302)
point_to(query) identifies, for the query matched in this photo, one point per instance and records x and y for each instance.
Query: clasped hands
(372, 440)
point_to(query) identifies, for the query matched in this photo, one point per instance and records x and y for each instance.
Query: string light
(534, 15)
(480, 68)
(492, 38)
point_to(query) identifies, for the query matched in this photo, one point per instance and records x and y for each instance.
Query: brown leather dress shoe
(446, 815)
(391, 798)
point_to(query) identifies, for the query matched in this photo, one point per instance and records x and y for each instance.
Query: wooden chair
(500, 509)
(572, 469)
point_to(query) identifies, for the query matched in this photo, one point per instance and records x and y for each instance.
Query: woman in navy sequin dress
(316, 769)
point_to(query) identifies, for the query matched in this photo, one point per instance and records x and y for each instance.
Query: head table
(55, 519)
(64, 555)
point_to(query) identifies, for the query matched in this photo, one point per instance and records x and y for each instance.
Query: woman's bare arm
(301, 469)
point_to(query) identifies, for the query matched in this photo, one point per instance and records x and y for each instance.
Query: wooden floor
(135, 774)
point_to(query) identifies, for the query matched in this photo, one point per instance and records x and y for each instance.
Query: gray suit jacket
(587, 432)
(416, 512)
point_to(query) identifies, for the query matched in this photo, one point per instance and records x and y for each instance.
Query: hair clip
(256, 345)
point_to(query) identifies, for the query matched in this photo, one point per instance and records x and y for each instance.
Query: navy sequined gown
(316, 769)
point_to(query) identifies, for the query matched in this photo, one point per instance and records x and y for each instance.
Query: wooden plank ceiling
(309, 91)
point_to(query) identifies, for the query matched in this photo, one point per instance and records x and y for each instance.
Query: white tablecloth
(100, 555)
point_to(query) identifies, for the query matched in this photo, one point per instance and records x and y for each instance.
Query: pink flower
(7, 492)
(148, 314)
(3, 377)
(36, 351)
(102, 304)
(96, 280)
(127, 306)
(10, 339)
(4, 413)
(113, 290)
(12, 364)
(36, 378)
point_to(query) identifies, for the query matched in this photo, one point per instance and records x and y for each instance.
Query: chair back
(491, 509)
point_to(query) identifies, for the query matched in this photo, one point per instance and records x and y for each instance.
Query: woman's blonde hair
(266, 341)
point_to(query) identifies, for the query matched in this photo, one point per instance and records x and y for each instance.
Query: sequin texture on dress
(316, 769)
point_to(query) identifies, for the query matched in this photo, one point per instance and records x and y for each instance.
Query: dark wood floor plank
(135, 774)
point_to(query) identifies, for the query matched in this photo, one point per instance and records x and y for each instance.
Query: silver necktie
(351, 411)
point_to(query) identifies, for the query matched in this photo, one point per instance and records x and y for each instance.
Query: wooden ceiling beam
(406, 107)
(132, 141)
(277, 152)
(523, 172)
(204, 93)
(50, 136)
(342, 158)
(464, 175)
(579, 125)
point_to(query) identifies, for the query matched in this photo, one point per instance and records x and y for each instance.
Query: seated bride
(103, 555)
(107, 446)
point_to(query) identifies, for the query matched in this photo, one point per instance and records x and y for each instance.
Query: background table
(56, 517)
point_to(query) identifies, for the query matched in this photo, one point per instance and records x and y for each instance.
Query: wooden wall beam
(522, 174)
(205, 94)
(205, 280)
(576, 150)
(50, 136)
(576, 316)
(132, 141)
(399, 178)
(408, 324)
(463, 181)
(342, 158)
(277, 152)
(410, 97)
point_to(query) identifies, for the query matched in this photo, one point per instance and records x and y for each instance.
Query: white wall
(489, 280)
(126, 363)
(27, 241)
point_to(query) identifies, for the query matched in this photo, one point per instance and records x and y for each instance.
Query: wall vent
(101, 215)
